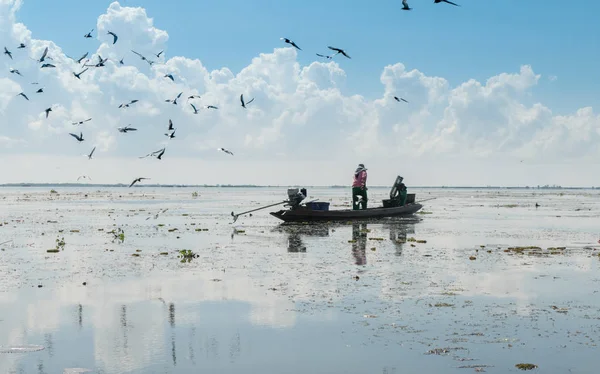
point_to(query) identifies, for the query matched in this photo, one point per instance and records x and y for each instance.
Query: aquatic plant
(53, 191)
(60, 244)
(526, 366)
(118, 234)
(187, 255)
(194, 194)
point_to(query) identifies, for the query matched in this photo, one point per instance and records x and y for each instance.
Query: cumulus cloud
(301, 117)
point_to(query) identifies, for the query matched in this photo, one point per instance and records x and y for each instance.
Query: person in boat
(359, 188)
(403, 194)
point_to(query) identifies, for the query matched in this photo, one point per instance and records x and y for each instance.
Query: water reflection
(295, 232)
(399, 231)
(359, 243)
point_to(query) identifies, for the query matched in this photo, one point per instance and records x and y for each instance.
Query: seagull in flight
(154, 153)
(78, 137)
(225, 150)
(47, 66)
(242, 100)
(211, 107)
(100, 62)
(40, 90)
(83, 177)
(171, 128)
(82, 57)
(128, 104)
(158, 54)
(170, 76)
(405, 5)
(338, 51)
(398, 99)
(91, 153)
(48, 111)
(89, 34)
(82, 122)
(195, 110)
(126, 128)
(191, 97)
(291, 42)
(142, 57)
(174, 101)
(444, 1)
(78, 75)
(328, 57)
(15, 71)
(121, 61)
(171, 135)
(21, 46)
(25, 96)
(115, 37)
(7, 52)
(43, 55)
(137, 180)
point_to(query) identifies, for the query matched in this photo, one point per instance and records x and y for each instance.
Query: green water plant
(187, 255)
(118, 234)
(526, 366)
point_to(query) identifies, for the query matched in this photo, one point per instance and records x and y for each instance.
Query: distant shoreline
(37, 185)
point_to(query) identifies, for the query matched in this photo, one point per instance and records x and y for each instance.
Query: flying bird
(126, 128)
(78, 137)
(47, 66)
(225, 150)
(194, 97)
(171, 125)
(328, 57)
(89, 34)
(100, 62)
(121, 61)
(211, 107)
(81, 58)
(170, 76)
(115, 37)
(444, 1)
(40, 90)
(43, 55)
(15, 71)
(48, 111)
(405, 5)
(127, 104)
(21, 46)
(7, 52)
(91, 153)
(195, 110)
(137, 180)
(83, 177)
(290, 42)
(82, 122)
(153, 153)
(339, 51)
(158, 54)
(171, 135)
(161, 153)
(25, 96)
(142, 57)
(242, 100)
(398, 99)
(174, 101)
(78, 75)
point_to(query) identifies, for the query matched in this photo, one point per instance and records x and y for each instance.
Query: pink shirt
(360, 180)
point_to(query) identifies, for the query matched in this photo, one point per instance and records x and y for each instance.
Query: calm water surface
(436, 293)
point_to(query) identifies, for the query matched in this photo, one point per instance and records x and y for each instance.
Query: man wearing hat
(359, 188)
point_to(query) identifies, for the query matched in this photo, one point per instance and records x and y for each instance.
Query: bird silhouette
(339, 51)
(21, 46)
(174, 101)
(170, 76)
(15, 71)
(195, 110)
(171, 135)
(81, 122)
(136, 180)
(40, 90)
(225, 150)
(91, 153)
(398, 99)
(291, 42)
(48, 111)
(126, 128)
(25, 96)
(8, 53)
(47, 66)
(89, 34)
(78, 137)
(211, 107)
(78, 75)
(405, 5)
(126, 105)
(43, 55)
(142, 57)
(327, 57)
(242, 100)
(444, 1)
(171, 125)
(115, 37)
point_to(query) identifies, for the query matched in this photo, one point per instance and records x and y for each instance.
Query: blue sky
(478, 40)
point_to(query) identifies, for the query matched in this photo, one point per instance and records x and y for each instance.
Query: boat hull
(307, 215)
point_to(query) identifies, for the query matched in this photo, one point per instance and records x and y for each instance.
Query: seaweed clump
(526, 366)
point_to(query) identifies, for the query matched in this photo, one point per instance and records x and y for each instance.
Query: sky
(499, 92)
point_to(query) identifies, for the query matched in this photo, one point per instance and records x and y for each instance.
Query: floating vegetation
(351, 241)
(443, 351)
(187, 255)
(421, 241)
(559, 310)
(424, 212)
(174, 229)
(54, 250)
(526, 366)
(376, 239)
(74, 231)
(185, 214)
(508, 206)
(472, 258)
(53, 192)
(164, 253)
(60, 245)
(135, 255)
(373, 249)
(442, 305)
(194, 194)
(119, 235)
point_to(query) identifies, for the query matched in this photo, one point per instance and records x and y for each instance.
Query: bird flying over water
(89, 34)
(126, 128)
(137, 180)
(142, 57)
(290, 42)
(158, 54)
(153, 153)
(83, 177)
(170, 76)
(115, 37)
(48, 111)
(78, 137)
(338, 51)
(211, 107)
(405, 5)
(174, 101)
(242, 100)
(171, 135)
(15, 71)
(78, 75)
(43, 55)
(444, 1)
(225, 150)
(7, 52)
(195, 110)
(82, 57)
(82, 122)
(25, 96)
(47, 66)
(398, 99)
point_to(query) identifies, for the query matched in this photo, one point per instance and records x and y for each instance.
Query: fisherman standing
(359, 188)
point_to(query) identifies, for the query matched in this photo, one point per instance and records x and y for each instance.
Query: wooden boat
(307, 214)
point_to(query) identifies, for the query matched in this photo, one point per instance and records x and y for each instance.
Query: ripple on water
(21, 348)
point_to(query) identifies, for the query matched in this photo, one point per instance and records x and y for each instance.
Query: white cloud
(301, 115)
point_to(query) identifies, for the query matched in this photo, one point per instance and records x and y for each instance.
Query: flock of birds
(85, 62)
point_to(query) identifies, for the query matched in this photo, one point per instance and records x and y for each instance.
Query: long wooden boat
(306, 214)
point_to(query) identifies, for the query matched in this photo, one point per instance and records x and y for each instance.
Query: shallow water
(267, 297)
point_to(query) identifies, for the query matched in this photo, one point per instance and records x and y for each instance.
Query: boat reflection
(359, 243)
(399, 231)
(295, 232)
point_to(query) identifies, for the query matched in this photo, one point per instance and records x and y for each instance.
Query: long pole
(235, 216)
